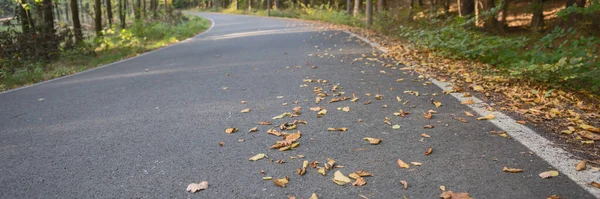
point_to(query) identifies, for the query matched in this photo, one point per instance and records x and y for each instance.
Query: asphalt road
(149, 126)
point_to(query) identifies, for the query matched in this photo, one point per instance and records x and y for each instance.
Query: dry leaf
(404, 183)
(548, 174)
(231, 130)
(512, 170)
(281, 182)
(264, 123)
(359, 182)
(468, 101)
(427, 115)
(297, 109)
(428, 126)
(553, 197)
(452, 195)
(397, 126)
(286, 114)
(437, 104)
(322, 171)
(346, 109)
(318, 108)
(246, 110)
(425, 135)
(416, 163)
(373, 141)
(589, 128)
(378, 97)
(443, 188)
(402, 164)
(589, 135)
(340, 178)
(257, 157)
(363, 173)
(463, 120)
(267, 178)
(581, 165)
(429, 151)
(595, 184)
(477, 88)
(193, 187)
(253, 129)
(313, 196)
(322, 112)
(488, 117)
(221, 143)
(469, 114)
(244, 102)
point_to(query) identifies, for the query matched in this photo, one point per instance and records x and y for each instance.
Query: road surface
(147, 127)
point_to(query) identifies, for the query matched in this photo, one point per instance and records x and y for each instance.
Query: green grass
(116, 45)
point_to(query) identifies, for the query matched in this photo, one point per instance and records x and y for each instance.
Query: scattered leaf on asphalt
(589, 135)
(373, 141)
(425, 135)
(463, 120)
(302, 171)
(404, 183)
(363, 173)
(281, 182)
(469, 114)
(581, 165)
(437, 104)
(553, 197)
(267, 178)
(397, 126)
(512, 170)
(253, 129)
(595, 184)
(589, 128)
(428, 126)
(548, 174)
(359, 182)
(346, 109)
(340, 178)
(416, 163)
(264, 123)
(488, 117)
(286, 114)
(402, 164)
(244, 102)
(322, 112)
(452, 195)
(246, 110)
(257, 157)
(378, 97)
(443, 188)
(468, 101)
(195, 187)
(322, 171)
(429, 151)
(231, 130)
(313, 196)
(221, 143)
(427, 115)
(318, 108)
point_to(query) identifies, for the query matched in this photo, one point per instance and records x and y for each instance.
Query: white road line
(212, 24)
(542, 147)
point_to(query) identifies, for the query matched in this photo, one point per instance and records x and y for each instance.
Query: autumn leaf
(340, 178)
(363, 173)
(274, 132)
(468, 101)
(221, 143)
(463, 120)
(195, 187)
(404, 183)
(428, 126)
(253, 129)
(318, 108)
(313, 196)
(589, 135)
(359, 182)
(477, 88)
(286, 114)
(469, 114)
(589, 128)
(416, 163)
(346, 109)
(231, 130)
(452, 195)
(322, 112)
(246, 110)
(512, 170)
(581, 165)
(595, 184)
(322, 171)
(548, 174)
(302, 170)
(397, 126)
(257, 157)
(488, 117)
(267, 178)
(429, 151)
(402, 164)
(373, 141)
(378, 97)
(437, 104)
(281, 182)
(264, 123)
(425, 135)
(244, 102)
(427, 115)
(443, 188)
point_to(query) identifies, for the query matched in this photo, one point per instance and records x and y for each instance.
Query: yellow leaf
(512, 170)
(373, 141)
(346, 109)
(321, 171)
(318, 108)
(267, 178)
(313, 196)
(416, 163)
(425, 135)
(443, 188)
(402, 164)
(231, 130)
(477, 88)
(281, 182)
(286, 114)
(429, 151)
(589, 135)
(548, 174)
(404, 183)
(437, 104)
(257, 157)
(253, 129)
(469, 114)
(195, 187)
(581, 165)
(245, 110)
(488, 117)
(359, 182)
(322, 112)
(589, 128)
(340, 178)
(468, 101)
(363, 173)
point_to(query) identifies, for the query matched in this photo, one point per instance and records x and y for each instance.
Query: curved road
(147, 127)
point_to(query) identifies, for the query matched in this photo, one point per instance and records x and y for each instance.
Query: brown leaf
(402, 164)
(373, 141)
(589, 135)
(468, 101)
(221, 143)
(512, 170)
(363, 173)
(589, 128)
(318, 108)
(244, 102)
(264, 123)
(246, 110)
(463, 120)
(553, 197)
(193, 187)
(428, 126)
(253, 129)
(581, 165)
(297, 110)
(595, 184)
(452, 195)
(429, 151)
(359, 182)
(346, 109)
(548, 174)
(469, 114)
(378, 97)
(427, 115)
(231, 130)
(425, 135)
(488, 117)
(437, 104)
(367, 102)
(281, 182)
(313, 196)
(404, 183)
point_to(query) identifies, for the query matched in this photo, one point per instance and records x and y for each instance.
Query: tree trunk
(380, 5)
(109, 13)
(98, 17)
(409, 16)
(57, 11)
(349, 7)
(50, 44)
(143, 9)
(369, 12)
(446, 7)
(505, 9)
(136, 13)
(356, 7)
(76, 23)
(537, 20)
(236, 4)
(25, 19)
(81, 11)
(250, 5)
(67, 13)
(490, 23)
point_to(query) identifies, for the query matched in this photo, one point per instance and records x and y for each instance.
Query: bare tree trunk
(76, 24)
(98, 17)
(409, 16)
(67, 13)
(250, 5)
(446, 7)
(349, 7)
(50, 44)
(143, 9)
(356, 7)
(380, 5)
(57, 11)
(109, 13)
(537, 20)
(490, 23)
(369, 12)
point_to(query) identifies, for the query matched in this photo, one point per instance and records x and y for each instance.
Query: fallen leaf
(548, 174)
(322, 171)
(443, 188)
(318, 108)
(257, 157)
(253, 129)
(363, 173)
(313, 196)
(427, 115)
(244, 102)
(425, 135)
(221, 143)
(488, 117)
(477, 88)
(231, 130)
(437, 104)
(416, 163)
(589, 135)
(193, 187)
(589, 128)
(595, 184)
(512, 170)
(452, 195)
(302, 171)
(346, 109)
(378, 97)
(286, 114)
(373, 141)
(267, 178)
(404, 183)
(397, 126)
(522, 122)
(463, 120)
(359, 182)
(428, 126)
(340, 178)
(322, 112)
(281, 182)
(468, 101)
(429, 151)
(246, 110)
(553, 197)
(469, 114)
(264, 123)
(581, 165)
(402, 164)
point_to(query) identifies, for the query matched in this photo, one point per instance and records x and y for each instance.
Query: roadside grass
(117, 44)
